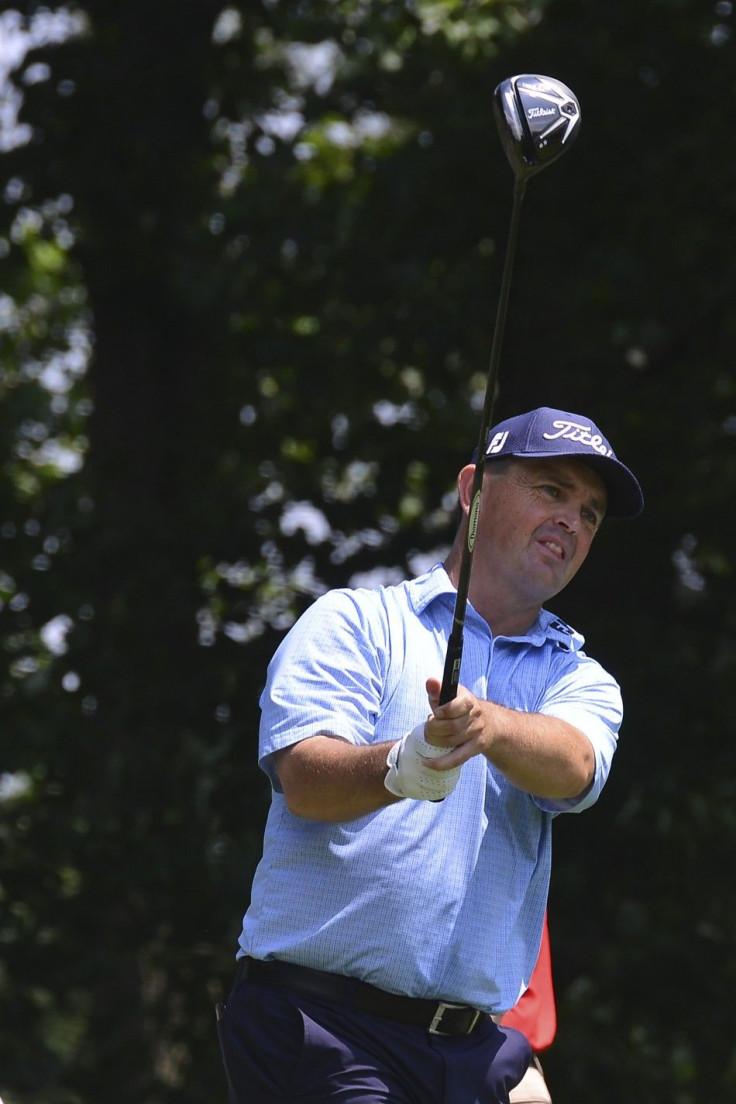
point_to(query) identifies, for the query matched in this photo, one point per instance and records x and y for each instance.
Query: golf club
(537, 118)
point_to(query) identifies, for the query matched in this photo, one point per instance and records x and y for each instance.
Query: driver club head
(538, 118)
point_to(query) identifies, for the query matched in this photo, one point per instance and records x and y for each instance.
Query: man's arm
(541, 755)
(327, 778)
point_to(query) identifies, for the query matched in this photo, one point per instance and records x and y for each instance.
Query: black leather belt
(439, 1017)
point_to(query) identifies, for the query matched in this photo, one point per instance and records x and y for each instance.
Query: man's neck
(504, 617)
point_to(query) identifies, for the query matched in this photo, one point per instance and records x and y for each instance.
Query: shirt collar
(435, 583)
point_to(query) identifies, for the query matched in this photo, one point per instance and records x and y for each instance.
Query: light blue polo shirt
(440, 900)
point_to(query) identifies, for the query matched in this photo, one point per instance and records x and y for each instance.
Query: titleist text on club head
(538, 118)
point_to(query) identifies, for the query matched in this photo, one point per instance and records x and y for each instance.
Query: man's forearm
(542, 755)
(326, 778)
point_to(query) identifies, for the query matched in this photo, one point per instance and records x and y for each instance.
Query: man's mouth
(554, 547)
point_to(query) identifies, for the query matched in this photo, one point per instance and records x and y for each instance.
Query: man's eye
(591, 518)
(550, 489)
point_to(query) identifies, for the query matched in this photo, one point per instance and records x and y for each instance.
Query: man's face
(537, 523)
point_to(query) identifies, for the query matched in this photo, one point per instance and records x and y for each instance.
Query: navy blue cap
(547, 433)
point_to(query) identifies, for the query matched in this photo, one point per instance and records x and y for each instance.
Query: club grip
(451, 673)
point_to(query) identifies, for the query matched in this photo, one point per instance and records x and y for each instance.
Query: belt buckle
(436, 1025)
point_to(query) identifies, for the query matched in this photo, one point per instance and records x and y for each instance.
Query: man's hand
(408, 769)
(460, 724)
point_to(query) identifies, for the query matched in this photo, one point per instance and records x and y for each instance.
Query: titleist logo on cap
(573, 431)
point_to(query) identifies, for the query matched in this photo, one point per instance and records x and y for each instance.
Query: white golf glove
(408, 773)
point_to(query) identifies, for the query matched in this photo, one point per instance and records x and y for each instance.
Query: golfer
(398, 908)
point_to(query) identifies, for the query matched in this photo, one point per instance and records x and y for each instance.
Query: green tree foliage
(250, 258)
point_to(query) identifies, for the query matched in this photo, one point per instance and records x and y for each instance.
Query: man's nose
(568, 518)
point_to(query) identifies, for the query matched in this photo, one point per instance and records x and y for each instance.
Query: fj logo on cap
(497, 442)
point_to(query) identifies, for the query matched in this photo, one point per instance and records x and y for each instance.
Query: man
(400, 900)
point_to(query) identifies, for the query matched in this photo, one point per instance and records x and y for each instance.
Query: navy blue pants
(280, 1047)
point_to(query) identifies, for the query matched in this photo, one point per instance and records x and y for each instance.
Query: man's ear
(465, 487)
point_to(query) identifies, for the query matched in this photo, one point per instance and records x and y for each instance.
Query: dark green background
(248, 300)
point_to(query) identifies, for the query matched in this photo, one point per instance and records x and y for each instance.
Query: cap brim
(625, 497)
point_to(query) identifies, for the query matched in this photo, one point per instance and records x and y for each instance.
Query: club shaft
(453, 658)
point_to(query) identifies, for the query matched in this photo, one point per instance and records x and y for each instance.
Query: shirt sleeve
(585, 696)
(325, 677)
